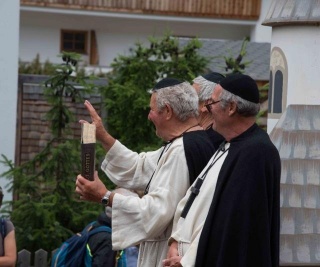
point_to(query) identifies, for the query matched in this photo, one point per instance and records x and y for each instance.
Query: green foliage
(48, 68)
(46, 210)
(263, 113)
(126, 97)
(234, 64)
(36, 67)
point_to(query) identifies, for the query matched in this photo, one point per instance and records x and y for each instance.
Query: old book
(88, 142)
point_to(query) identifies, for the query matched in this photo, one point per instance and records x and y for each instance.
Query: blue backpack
(74, 252)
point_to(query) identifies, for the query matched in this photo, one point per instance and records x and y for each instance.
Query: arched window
(270, 93)
(278, 92)
(277, 84)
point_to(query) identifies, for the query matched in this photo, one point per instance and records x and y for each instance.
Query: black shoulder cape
(242, 226)
(215, 137)
(198, 150)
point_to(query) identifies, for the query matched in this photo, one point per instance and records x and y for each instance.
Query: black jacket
(101, 245)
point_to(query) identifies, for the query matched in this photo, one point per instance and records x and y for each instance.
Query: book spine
(87, 160)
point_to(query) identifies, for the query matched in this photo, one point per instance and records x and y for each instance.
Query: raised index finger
(93, 113)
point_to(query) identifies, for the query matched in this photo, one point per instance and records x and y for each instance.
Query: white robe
(186, 231)
(147, 220)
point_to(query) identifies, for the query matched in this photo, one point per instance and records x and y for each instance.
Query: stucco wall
(300, 46)
(40, 32)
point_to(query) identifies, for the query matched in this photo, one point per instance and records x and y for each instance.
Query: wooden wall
(232, 9)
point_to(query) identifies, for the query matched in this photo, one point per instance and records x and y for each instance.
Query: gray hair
(244, 107)
(182, 98)
(206, 88)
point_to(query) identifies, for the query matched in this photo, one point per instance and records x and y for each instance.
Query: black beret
(214, 77)
(241, 85)
(166, 82)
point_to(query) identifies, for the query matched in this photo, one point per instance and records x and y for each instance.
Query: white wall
(300, 45)
(39, 40)
(9, 30)
(111, 45)
(260, 33)
(40, 32)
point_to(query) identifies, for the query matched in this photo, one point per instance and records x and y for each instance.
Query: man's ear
(203, 108)
(232, 108)
(168, 112)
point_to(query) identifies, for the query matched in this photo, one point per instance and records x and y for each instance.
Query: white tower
(294, 123)
(295, 55)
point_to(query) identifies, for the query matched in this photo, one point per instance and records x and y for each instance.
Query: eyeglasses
(208, 106)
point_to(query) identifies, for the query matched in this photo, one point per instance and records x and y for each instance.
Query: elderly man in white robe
(164, 174)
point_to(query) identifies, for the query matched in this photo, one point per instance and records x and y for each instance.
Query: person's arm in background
(10, 250)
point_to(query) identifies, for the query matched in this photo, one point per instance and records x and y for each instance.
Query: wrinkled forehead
(217, 90)
(153, 99)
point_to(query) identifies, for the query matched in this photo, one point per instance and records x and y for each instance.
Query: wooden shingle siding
(235, 9)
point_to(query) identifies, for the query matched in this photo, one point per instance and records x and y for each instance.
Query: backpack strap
(102, 228)
(121, 259)
(120, 255)
(91, 231)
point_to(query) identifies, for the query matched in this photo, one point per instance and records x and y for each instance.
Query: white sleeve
(178, 220)
(151, 215)
(129, 169)
(189, 257)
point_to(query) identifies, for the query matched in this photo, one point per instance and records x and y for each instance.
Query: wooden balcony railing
(232, 9)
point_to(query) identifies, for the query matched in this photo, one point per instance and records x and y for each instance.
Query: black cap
(241, 85)
(166, 82)
(214, 77)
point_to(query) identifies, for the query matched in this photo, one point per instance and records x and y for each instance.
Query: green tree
(36, 67)
(263, 113)
(47, 211)
(126, 97)
(235, 64)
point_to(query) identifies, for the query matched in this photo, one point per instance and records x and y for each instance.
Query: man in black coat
(239, 225)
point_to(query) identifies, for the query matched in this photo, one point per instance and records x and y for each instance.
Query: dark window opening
(278, 91)
(74, 41)
(270, 93)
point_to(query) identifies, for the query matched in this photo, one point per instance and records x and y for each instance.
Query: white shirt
(186, 231)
